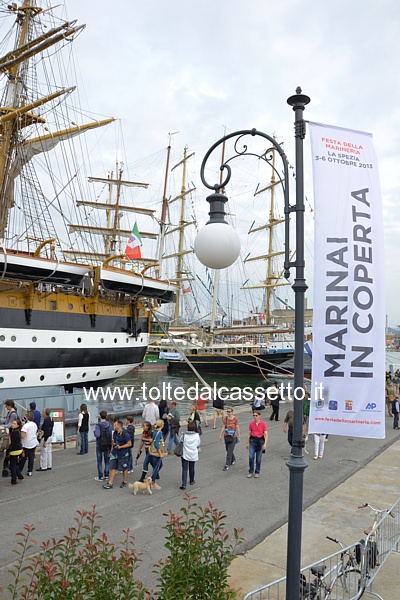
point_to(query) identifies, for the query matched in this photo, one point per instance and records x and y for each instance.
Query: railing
(386, 535)
(346, 574)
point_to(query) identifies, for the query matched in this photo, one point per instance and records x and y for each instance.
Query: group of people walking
(160, 437)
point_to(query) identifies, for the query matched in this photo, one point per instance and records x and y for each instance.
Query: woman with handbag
(157, 452)
(231, 432)
(190, 441)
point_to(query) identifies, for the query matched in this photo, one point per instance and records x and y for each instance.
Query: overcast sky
(167, 65)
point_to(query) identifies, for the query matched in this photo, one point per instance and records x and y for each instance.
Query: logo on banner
(370, 406)
(333, 405)
(349, 405)
(319, 404)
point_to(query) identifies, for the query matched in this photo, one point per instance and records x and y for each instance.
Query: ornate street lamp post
(217, 246)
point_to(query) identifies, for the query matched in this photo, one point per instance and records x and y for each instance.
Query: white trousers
(46, 461)
(319, 444)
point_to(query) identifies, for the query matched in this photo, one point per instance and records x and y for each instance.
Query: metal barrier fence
(386, 536)
(346, 574)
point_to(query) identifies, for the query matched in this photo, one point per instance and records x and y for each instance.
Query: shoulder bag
(179, 448)
(153, 450)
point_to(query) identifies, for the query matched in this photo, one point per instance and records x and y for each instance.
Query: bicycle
(373, 539)
(340, 582)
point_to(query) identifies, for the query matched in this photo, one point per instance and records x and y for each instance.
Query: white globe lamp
(217, 245)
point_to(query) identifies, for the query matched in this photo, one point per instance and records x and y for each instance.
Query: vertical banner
(348, 360)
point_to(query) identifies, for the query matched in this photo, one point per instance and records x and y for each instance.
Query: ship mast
(114, 211)
(20, 103)
(180, 274)
(272, 280)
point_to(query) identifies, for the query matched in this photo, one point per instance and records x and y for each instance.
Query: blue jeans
(130, 460)
(173, 439)
(290, 436)
(157, 464)
(187, 464)
(146, 461)
(84, 442)
(255, 452)
(102, 455)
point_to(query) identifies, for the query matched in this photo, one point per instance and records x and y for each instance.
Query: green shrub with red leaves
(82, 565)
(85, 565)
(200, 552)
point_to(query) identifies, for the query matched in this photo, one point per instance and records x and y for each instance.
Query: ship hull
(252, 364)
(67, 349)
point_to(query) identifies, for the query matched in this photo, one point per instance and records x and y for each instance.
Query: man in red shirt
(256, 442)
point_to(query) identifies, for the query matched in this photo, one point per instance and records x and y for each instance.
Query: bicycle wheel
(346, 585)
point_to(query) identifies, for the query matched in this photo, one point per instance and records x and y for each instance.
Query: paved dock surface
(333, 487)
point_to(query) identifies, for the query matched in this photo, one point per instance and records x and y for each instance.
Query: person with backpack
(119, 455)
(395, 412)
(103, 434)
(130, 428)
(11, 415)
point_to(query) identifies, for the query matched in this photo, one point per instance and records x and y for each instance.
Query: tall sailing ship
(255, 347)
(74, 311)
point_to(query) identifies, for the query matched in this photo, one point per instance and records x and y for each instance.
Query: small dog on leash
(138, 485)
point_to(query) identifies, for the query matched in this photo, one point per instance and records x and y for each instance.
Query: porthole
(13, 338)
(68, 376)
(70, 306)
(2, 338)
(41, 378)
(127, 340)
(102, 340)
(98, 374)
(34, 339)
(53, 305)
(83, 374)
(53, 339)
(117, 371)
(1, 379)
(22, 378)
(115, 340)
(79, 340)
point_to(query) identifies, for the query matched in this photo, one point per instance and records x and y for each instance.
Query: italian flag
(132, 249)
